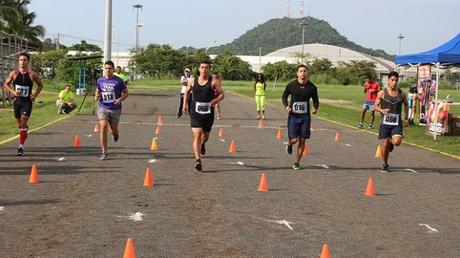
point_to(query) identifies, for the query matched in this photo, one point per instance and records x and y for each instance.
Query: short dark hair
(24, 54)
(393, 73)
(119, 67)
(109, 62)
(300, 66)
(205, 62)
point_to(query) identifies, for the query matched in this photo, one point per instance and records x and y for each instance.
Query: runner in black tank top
(202, 109)
(19, 83)
(389, 103)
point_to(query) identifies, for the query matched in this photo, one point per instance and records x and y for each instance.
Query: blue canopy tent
(448, 54)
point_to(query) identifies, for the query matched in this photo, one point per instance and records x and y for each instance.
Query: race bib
(391, 119)
(108, 96)
(203, 108)
(23, 90)
(299, 107)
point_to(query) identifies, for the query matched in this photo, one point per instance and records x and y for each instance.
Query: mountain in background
(285, 32)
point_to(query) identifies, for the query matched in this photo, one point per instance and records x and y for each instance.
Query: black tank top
(201, 96)
(24, 83)
(392, 103)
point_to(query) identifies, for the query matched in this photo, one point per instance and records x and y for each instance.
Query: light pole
(138, 26)
(400, 37)
(108, 31)
(302, 24)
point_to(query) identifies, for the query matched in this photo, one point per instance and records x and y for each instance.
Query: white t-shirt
(184, 88)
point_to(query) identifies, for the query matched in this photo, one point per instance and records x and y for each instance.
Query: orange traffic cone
(305, 150)
(33, 179)
(76, 141)
(157, 131)
(96, 128)
(261, 123)
(148, 179)
(378, 152)
(160, 120)
(279, 136)
(129, 249)
(154, 145)
(232, 148)
(325, 251)
(337, 136)
(221, 132)
(263, 185)
(370, 188)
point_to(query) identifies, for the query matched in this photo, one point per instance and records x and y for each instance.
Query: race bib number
(299, 107)
(203, 108)
(108, 96)
(23, 90)
(391, 119)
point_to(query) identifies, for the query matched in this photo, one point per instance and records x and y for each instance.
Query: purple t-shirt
(110, 89)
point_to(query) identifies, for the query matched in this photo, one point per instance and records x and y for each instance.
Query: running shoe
(371, 126)
(289, 149)
(218, 117)
(20, 151)
(391, 146)
(198, 166)
(360, 125)
(296, 166)
(263, 117)
(115, 137)
(104, 156)
(385, 168)
(203, 149)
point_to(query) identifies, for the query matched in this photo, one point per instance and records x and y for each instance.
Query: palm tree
(16, 19)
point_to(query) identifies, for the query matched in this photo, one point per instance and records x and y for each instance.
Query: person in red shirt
(371, 88)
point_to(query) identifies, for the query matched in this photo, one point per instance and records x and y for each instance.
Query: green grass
(43, 112)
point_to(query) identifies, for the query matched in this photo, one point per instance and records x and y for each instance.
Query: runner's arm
(39, 83)
(315, 101)
(124, 95)
(8, 87)
(406, 109)
(284, 98)
(220, 97)
(97, 94)
(377, 103)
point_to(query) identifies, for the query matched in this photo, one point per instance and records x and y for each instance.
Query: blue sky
(370, 23)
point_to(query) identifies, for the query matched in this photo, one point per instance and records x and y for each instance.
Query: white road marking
(134, 216)
(222, 140)
(2, 208)
(411, 170)
(237, 163)
(152, 161)
(348, 145)
(322, 165)
(61, 159)
(89, 135)
(281, 222)
(431, 230)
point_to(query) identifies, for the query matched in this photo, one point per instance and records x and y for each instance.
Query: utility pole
(138, 26)
(108, 31)
(400, 37)
(302, 24)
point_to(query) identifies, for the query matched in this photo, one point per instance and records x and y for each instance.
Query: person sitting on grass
(65, 103)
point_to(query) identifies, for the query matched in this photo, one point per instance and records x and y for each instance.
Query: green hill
(285, 32)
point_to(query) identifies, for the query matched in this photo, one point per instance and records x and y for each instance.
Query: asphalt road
(82, 206)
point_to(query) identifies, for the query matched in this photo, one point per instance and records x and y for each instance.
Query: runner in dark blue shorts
(299, 120)
(389, 103)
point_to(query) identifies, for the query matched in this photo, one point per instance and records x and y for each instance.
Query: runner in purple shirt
(110, 92)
